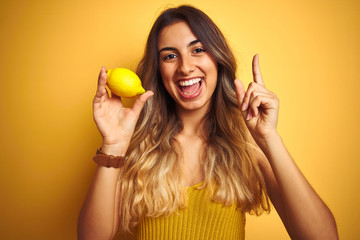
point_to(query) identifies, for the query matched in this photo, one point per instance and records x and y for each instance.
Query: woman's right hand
(115, 122)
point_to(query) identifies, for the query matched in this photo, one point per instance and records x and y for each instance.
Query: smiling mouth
(191, 86)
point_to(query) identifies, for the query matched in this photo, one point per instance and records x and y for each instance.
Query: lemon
(124, 83)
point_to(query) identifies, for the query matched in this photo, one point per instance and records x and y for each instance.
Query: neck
(191, 121)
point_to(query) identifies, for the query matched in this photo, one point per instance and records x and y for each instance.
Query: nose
(186, 65)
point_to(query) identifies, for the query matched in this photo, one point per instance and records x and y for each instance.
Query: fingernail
(248, 116)
(243, 107)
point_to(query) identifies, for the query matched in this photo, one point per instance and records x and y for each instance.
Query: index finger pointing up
(256, 70)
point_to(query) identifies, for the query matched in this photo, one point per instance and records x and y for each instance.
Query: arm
(303, 213)
(99, 215)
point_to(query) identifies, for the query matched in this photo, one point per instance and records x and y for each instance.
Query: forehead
(178, 34)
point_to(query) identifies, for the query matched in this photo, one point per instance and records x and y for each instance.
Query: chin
(194, 105)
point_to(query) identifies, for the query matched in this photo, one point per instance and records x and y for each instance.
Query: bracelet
(108, 160)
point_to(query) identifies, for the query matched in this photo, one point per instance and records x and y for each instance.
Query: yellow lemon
(124, 83)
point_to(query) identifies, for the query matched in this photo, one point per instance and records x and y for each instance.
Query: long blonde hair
(151, 182)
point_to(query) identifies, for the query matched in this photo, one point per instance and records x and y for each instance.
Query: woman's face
(188, 71)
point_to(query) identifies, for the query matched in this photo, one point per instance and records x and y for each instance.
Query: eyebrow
(174, 49)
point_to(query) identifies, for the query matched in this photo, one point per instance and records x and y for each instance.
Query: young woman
(201, 150)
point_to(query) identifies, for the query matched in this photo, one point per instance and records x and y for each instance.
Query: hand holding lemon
(115, 121)
(125, 84)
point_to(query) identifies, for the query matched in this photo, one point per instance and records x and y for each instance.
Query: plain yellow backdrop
(50, 56)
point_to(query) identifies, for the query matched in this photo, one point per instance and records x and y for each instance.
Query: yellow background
(51, 53)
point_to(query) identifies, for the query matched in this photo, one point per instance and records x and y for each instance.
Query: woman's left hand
(259, 106)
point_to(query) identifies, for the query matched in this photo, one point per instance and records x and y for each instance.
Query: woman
(198, 146)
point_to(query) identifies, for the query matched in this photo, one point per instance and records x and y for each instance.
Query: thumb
(240, 91)
(240, 94)
(140, 101)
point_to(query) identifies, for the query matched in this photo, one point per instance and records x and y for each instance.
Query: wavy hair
(151, 180)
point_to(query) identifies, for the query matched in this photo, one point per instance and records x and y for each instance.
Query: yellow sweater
(201, 219)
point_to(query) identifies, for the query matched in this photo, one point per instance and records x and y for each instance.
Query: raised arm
(99, 216)
(303, 213)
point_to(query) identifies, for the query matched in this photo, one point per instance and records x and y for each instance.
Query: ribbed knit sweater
(202, 219)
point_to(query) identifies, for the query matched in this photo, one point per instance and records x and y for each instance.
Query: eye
(199, 50)
(169, 57)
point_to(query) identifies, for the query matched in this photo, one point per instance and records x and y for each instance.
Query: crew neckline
(196, 185)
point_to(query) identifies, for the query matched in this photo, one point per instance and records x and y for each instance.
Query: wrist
(268, 140)
(118, 149)
(109, 161)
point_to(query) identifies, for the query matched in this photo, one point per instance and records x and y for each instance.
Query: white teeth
(189, 82)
